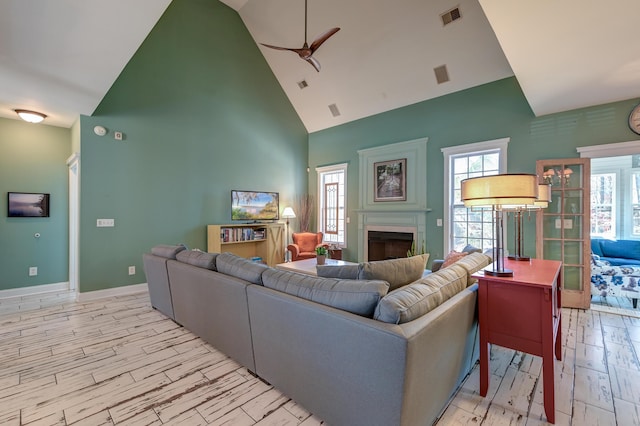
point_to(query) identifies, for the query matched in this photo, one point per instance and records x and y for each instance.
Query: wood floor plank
(586, 414)
(621, 356)
(627, 413)
(625, 384)
(592, 357)
(191, 418)
(102, 418)
(260, 407)
(592, 388)
(109, 395)
(95, 396)
(235, 417)
(234, 398)
(174, 404)
(280, 417)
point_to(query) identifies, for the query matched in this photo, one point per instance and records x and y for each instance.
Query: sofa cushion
(355, 296)
(168, 251)
(397, 272)
(472, 263)
(239, 267)
(198, 258)
(595, 246)
(347, 272)
(627, 249)
(416, 299)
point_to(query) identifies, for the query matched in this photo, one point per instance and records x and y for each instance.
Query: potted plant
(321, 254)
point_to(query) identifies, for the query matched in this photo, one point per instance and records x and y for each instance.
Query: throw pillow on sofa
(453, 257)
(198, 258)
(168, 251)
(397, 272)
(355, 296)
(416, 299)
(239, 267)
(346, 272)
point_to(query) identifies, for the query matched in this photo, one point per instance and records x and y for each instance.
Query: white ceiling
(61, 57)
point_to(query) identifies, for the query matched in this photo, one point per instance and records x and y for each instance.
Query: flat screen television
(24, 204)
(255, 205)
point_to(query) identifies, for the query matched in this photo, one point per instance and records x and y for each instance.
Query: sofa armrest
(294, 249)
(436, 265)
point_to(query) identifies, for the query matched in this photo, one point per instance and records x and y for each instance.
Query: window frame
(613, 206)
(341, 219)
(450, 154)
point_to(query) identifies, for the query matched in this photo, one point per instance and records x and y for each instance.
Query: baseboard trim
(32, 290)
(112, 292)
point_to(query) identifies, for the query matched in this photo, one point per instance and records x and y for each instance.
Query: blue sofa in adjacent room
(617, 252)
(615, 268)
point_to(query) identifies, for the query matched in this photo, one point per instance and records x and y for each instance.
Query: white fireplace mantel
(397, 216)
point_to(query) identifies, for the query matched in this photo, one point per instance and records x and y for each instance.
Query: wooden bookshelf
(265, 240)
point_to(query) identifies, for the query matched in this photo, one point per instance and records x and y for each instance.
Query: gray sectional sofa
(347, 349)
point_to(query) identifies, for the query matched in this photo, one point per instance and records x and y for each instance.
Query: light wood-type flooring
(118, 361)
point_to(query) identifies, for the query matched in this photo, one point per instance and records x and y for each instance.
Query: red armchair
(304, 245)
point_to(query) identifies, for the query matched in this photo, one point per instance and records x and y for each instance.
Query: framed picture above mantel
(390, 180)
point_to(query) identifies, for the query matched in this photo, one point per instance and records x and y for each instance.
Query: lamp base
(498, 273)
(522, 258)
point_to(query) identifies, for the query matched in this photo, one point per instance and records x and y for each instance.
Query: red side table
(523, 312)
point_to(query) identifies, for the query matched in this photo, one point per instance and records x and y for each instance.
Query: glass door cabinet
(563, 228)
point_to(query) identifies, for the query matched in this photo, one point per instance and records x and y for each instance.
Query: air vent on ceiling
(302, 84)
(450, 16)
(334, 110)
(442, 75)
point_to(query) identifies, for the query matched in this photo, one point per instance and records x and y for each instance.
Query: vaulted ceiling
(62, 57)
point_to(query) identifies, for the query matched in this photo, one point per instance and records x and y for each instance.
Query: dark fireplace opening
(388, 245)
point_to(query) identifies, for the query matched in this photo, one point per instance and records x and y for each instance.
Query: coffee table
(308, 266)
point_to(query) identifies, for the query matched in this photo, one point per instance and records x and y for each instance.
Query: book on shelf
(233, 235)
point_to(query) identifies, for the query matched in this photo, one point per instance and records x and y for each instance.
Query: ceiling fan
(306, 52)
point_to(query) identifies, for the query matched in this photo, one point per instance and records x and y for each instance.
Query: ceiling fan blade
(322, 38)
(279, 48)
(314, 62)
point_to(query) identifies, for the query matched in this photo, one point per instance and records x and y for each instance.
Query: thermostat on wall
(100, 131)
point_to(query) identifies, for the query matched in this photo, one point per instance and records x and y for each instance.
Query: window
(462, 225)
(603, 205)
(635, 203)
(332, 198)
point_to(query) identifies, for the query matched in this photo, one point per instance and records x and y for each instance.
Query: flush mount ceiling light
(30, 116)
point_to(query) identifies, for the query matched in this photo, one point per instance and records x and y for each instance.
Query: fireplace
(384, 245)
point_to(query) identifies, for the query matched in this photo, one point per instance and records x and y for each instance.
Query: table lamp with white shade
(499, 192)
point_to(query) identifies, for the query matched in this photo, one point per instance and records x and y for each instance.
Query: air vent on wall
(442, 75)
(334, 110)
(450, 16)
(302, 84)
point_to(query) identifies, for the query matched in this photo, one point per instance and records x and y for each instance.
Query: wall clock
(634, 119)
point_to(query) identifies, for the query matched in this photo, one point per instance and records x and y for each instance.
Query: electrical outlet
(132, 270)
(33, 271)
(105, 223)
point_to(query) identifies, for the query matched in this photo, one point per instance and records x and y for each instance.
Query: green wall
(491, 111)
(201, 114)
(33, 159)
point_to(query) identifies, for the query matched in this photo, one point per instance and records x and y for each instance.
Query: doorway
(615, 213)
